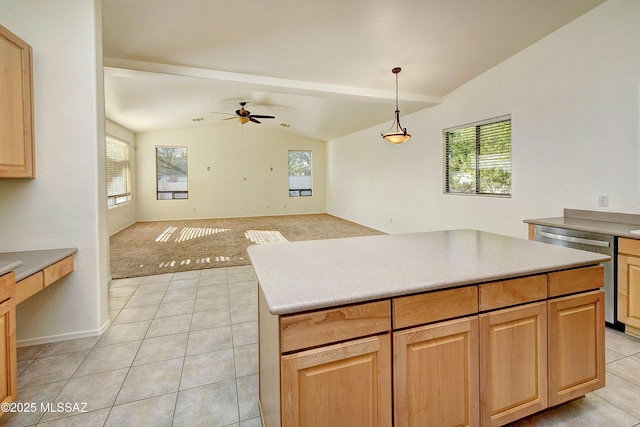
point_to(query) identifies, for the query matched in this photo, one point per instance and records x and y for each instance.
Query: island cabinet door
(513, 363)
(576, 346)
(341, 385)
(436, 375)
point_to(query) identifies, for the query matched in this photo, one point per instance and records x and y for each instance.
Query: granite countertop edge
(303, 276)
(26, 263)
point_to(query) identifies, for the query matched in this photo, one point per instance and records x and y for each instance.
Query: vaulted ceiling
(322, 68)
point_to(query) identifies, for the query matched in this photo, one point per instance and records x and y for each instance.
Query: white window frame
(499, 160)
(172, 186)
(300, 185)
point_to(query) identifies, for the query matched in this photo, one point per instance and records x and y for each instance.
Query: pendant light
(396, 133)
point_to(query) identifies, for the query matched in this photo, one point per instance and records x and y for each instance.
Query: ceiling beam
(133, 68)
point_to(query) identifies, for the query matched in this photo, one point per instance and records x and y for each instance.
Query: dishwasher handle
(571, 239)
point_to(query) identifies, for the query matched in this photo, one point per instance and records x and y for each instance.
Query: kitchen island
(457, 327)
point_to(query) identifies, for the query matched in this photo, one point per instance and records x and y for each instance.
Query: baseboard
(123, 228)
(64, 337)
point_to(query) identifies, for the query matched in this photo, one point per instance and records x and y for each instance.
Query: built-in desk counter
(23, 274)
(35, 270)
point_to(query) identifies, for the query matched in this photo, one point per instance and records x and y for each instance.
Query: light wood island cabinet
(341, 385)
(344, 379)
(436, 365)
(478, 355)
(575, 346)
(513, 339)
(513, 363)
(436, 374)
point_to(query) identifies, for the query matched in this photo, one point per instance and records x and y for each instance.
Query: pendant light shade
(396, 133)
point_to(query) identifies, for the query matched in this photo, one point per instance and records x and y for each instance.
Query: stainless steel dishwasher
(591, 242)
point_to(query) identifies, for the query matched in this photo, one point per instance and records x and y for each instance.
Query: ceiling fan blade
(243, 115)
(257, 116)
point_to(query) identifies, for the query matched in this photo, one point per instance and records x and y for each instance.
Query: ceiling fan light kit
(396, 133)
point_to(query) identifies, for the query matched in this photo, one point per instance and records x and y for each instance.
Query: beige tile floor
(182, 351)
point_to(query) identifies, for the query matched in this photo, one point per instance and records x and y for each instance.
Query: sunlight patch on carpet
(189, 233)
(164, 237)
(262, 237)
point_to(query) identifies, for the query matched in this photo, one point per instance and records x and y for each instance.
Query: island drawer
(576, 280)
(7, 286)
(29, 286)
(510, 292)
(434, 306)
(58, 270)
(321, 327)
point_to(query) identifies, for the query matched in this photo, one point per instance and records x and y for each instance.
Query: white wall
(240, 182)
(573, 98)
(122, 216)
(65, 205)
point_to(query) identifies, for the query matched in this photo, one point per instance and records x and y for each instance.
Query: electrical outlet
(603, 201)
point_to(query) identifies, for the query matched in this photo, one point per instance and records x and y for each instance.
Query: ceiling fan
(243, 115)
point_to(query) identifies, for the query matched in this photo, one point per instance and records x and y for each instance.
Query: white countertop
(309, 275)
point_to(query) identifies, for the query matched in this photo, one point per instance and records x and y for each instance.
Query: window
(171, 171)
(478, 158)
(299, 173)
(118, 186)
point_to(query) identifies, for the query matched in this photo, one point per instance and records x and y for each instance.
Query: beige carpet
(148, 248)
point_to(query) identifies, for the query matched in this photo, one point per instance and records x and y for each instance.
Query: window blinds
(478, 158)
(118, 191)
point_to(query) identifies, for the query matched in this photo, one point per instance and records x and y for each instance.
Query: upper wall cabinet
(16, 108)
